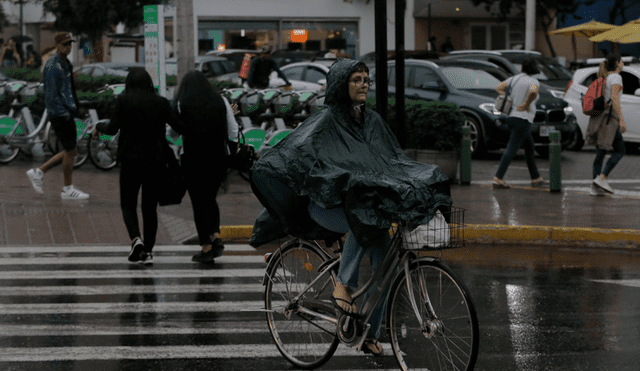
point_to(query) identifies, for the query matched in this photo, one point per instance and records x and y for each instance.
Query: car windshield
(549, 70)
(468, 79)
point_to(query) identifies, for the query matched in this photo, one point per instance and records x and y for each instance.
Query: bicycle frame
(383, 277)
(28, 140)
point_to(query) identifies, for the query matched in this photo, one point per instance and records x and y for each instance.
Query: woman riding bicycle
(343, 169)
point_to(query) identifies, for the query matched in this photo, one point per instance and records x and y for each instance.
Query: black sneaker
(136, 249)
(204, 257)
(146, 258)
(217, 247)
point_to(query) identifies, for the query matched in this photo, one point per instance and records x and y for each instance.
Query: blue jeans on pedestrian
(520, 136)
(618, 152)
(352, 253)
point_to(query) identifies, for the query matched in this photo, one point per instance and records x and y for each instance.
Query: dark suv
(472, 88)
(551, 73)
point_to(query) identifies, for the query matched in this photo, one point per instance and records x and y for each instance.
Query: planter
(447, 161)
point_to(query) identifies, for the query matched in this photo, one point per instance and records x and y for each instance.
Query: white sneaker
(596, 191)
(36, 176)
(70, 193)
(602, 183)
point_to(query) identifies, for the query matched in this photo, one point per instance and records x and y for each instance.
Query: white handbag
(434, 234)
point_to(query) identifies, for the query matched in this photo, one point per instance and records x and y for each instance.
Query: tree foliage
(95, 18)
(547, 11)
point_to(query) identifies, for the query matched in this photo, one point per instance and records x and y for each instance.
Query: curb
(520, 235)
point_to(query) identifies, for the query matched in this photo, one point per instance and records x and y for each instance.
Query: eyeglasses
(360, 82)
(67, 43)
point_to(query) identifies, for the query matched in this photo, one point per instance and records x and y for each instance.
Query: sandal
(342, 299)
(372, 346)
(540, 182)
(500, 184)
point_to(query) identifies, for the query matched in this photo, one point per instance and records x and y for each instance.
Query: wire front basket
(444, 231)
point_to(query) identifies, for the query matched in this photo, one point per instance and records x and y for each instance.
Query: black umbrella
(21, 39)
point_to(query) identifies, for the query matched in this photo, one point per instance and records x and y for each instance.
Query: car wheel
(478, 147)
(576, 142)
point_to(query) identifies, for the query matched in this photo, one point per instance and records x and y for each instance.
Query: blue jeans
(352, 253)
(520, 136)
(618, 152)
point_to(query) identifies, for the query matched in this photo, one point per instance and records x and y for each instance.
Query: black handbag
(241, 156)
(172, 184)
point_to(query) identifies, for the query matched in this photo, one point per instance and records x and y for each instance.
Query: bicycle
(430, 316)
(103, 149)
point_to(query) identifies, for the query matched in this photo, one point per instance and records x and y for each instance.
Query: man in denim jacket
(62, 105)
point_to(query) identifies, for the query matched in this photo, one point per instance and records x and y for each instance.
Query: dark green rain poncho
(335, 161)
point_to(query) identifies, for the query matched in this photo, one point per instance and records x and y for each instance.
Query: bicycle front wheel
(305, 341)
(448, 336)
(8, 152)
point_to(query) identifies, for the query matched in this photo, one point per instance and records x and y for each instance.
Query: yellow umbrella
(625, 34)
(588, 29)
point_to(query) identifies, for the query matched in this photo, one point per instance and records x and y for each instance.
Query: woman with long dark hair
(208, 123)
(141, 115)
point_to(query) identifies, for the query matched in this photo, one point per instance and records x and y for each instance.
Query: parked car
(234, 55)
(551, 73)
(210, 65)
(285, 57)
(312, 74)
(472, 89)
(370, 58)
(629, 101)
(107, 69)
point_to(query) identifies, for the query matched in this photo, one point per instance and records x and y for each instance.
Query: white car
(304, 75)
(630, 100)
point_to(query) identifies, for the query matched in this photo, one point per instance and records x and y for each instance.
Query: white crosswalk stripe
(89, 308)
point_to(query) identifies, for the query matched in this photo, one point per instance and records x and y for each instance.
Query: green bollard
(465, 157)
(555, 175)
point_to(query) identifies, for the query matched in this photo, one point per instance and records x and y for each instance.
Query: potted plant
(434, 134)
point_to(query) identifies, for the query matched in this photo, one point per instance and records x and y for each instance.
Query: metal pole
(400, 104)
(530, 25)
(382, 88)
(555, 175)
(184, 38)
(465, 157)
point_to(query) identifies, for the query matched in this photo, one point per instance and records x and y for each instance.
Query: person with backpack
(605, 128)
(524, 93)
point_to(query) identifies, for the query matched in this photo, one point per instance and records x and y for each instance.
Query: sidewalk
(521, 215)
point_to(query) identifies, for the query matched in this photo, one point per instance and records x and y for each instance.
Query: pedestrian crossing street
(88, 308)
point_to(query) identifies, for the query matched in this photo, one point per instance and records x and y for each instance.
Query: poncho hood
(335, 162)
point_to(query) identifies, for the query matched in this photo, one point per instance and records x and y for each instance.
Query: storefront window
(340, 37)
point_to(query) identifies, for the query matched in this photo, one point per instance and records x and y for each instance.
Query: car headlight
(490, 108)
(557, 93)
(568, 110)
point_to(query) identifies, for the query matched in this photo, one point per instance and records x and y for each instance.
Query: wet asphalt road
(86, 309)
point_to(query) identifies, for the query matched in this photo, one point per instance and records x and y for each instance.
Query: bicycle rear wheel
(305, 341)
(102, 151)
(448, 338)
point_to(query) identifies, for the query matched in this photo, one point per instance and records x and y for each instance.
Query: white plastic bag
(434, 234)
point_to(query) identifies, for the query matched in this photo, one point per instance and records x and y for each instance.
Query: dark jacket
(336, 163)
(260, 71)
(59, 90)
(204, 132)
(142, 121)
